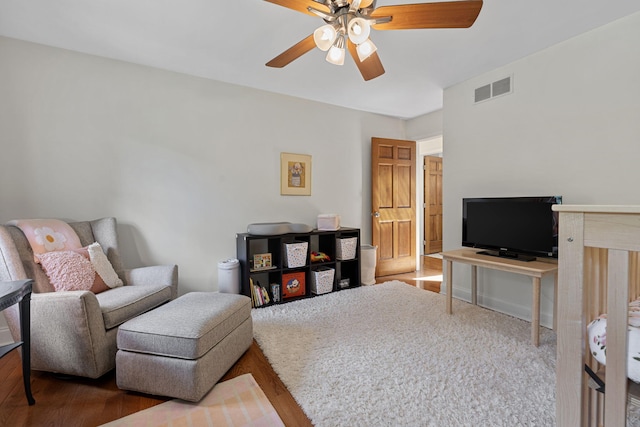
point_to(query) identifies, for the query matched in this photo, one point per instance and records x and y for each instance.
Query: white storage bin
(368, 255)
(322, 280)
(295, 254)
(346, 248)
(328, 222)
(229, 276)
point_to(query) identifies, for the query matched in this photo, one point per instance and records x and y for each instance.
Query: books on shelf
(259, 294)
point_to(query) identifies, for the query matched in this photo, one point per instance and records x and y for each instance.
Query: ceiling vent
(492, 90)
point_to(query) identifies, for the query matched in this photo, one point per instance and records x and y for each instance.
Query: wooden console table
(534, 269)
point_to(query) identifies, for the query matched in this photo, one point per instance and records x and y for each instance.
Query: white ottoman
(182, 349)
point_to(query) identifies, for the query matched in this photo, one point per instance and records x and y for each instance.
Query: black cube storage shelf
(248, 245)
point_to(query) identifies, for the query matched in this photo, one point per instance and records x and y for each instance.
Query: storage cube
(346, 248)
(295, 254)
(322, 280)
(328, 222)
(293, 284)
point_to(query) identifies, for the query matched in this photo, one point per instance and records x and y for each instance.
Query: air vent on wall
(492, 90)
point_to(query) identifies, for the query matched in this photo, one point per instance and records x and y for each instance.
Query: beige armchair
(74, 332)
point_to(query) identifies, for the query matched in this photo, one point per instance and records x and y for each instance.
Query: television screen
(511, 226)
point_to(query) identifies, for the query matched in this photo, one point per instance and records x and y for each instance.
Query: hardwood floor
(429, 277)
(83, 402)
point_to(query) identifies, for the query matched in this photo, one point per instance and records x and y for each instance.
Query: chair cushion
(126, 302)
(187, 327)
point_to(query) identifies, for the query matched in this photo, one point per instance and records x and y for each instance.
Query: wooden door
(393, 199)
(432, 204)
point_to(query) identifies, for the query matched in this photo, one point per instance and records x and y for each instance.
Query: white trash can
(229, 276)
(368, 264)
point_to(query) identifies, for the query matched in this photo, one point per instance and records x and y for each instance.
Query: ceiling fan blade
(301, 5)
(293, 53)
(449, 14)
(371, 67)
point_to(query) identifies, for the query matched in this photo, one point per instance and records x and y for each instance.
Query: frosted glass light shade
(324, 37)
(336, 52)
(365, 49)
(358, 30)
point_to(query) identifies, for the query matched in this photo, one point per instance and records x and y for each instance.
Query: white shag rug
(389, 355)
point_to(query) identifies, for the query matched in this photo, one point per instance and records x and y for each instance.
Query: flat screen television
(512, 227)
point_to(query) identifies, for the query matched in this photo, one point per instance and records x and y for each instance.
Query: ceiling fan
(349, 22)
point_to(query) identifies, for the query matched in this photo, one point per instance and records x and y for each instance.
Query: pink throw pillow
(71, 271)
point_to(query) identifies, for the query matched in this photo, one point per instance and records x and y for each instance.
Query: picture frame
(295, 174)
(262, 261)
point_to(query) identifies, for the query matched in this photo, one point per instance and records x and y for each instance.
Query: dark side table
(19, 292)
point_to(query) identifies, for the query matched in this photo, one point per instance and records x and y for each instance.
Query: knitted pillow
(86, 268)
(71, 271)
(102, 266)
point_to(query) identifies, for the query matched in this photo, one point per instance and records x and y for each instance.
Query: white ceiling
(231, 41)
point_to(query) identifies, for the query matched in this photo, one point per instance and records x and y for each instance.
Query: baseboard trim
(5, 336)
(519, 311)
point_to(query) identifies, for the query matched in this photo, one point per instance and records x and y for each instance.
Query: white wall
(182, 162)
(426, 126)
(571, 127)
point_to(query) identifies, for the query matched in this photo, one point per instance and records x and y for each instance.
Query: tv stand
(509, 254)
(536, 270)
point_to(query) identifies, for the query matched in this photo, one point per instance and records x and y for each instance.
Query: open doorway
(430, 199)
(432, 205)
(427, 273)
(430, 217)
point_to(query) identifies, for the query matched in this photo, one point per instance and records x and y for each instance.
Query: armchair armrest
(154, 275)
(64, 320)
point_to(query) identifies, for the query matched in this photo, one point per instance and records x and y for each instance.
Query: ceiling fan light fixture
(325, 36)
(358, 30)
(336, 52)
(365, 49)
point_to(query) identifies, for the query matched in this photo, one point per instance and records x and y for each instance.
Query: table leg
(25, 336)
(449, 287)
(555, 301)
(535, 312)
(474, 284)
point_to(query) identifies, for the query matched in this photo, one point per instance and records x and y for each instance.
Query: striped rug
(237, 402)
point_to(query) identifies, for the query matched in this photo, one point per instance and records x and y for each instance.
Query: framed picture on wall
(295, 174)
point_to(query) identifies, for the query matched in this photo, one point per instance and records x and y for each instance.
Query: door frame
(424, 147)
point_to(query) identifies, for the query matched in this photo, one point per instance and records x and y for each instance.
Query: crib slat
(615, 404)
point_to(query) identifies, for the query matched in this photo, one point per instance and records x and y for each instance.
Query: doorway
(393, 205)
(429, 148)
(428, 274)
(432, 205)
